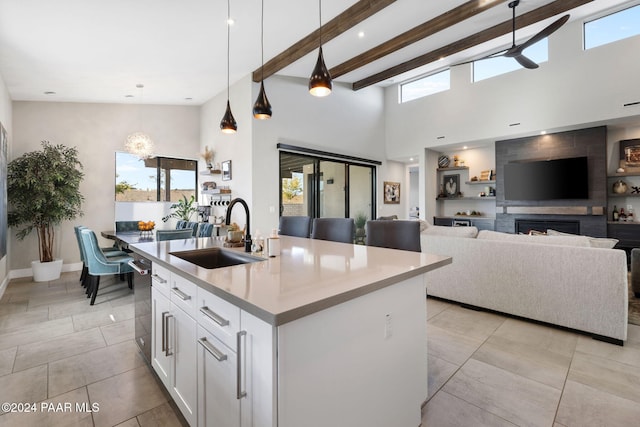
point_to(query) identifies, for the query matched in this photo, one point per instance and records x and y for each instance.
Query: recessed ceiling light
(361, 34)
(411, 159)
(230, 21)
(465, 147)
(49, 92)
(544, 132)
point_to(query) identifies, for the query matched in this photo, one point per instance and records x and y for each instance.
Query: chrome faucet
(247, 237)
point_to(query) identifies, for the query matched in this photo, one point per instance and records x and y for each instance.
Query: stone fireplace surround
(588, 216)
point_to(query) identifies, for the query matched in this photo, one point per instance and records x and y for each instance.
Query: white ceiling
(98, 50)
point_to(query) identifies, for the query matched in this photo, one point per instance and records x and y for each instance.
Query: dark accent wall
(592, 143)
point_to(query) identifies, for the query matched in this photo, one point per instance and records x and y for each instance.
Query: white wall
(97, 130)
(574, 89)
(345, 122)
(6, 114)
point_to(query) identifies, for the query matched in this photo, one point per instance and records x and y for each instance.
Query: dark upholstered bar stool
(297, 226)
(334, 229)
(404, 235)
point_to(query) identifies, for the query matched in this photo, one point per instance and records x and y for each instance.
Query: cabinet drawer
(218, 316)
(161, 279)
(183, 294)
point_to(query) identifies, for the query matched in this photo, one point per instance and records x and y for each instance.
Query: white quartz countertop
(309, 275)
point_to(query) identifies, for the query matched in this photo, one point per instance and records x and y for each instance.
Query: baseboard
(27, 272)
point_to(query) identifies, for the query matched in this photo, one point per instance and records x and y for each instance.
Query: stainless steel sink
(215, 257)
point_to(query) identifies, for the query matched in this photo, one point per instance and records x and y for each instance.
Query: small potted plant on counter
(43, 190)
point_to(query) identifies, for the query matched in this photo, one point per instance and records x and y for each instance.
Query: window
(611, 28)
(322, 187)
(487, 68)
(146, 180)
(425, 86)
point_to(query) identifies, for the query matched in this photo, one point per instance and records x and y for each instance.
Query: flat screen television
(547, 179)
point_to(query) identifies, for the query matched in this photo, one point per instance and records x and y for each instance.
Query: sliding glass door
(320, 187)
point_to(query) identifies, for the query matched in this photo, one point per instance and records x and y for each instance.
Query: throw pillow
(577, 241)
(440, 230)
(595, 242)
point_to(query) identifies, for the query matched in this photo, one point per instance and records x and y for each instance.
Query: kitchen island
(325, 334)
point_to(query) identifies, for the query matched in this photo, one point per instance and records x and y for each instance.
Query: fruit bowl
(146, 228)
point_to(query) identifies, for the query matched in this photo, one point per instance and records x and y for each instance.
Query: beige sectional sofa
(570, 281)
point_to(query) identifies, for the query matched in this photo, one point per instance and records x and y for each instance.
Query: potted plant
(43, 190)
(183, 210)
(360, 221)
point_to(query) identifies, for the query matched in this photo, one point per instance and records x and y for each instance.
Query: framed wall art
(226, 170)
(391, 192)
(451, 185)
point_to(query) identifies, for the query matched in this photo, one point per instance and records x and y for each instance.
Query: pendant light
(262, 108)
(228, 123)
(320, 80)
(139, 143)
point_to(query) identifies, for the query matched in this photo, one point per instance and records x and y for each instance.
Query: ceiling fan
(515, 51)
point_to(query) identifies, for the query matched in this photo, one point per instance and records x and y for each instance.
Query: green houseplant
(43, 190)
(360, 221)
(183, 210)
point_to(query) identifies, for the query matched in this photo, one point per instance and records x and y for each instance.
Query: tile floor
(491, 370)
(67, 358)
(484, 369)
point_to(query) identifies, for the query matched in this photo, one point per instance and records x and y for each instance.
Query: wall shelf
(467, 198)
(491, 182)
(453, 168)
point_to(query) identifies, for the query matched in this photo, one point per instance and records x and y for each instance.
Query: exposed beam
(447, 19)
(539, 14)
(351, 17)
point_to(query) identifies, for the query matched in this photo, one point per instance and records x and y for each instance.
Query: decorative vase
(619, 187)
(46, 271)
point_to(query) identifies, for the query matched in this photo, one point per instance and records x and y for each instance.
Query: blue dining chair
(99, 265)
(205, 229)
(174, 234)
(109, 252)
(181, 224)
(193, 226)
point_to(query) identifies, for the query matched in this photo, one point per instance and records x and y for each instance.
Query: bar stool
(334, 229)
(297, 226)
(401, 234)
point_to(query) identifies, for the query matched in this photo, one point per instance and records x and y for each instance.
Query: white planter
(45, 271)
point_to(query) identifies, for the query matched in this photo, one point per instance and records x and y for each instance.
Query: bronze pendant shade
(228, 123)
(320, 80)
(262, 107)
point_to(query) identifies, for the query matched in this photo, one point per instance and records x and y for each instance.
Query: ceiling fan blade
(525, 62)
(546, 32)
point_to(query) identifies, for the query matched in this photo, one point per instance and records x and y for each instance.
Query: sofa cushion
(441, 230)
(541, 239)
(595, 242)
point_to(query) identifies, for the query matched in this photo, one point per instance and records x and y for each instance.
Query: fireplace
(524, 226)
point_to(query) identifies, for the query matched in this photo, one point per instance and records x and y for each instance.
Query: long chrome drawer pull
(164, 337)
(213, 316)
(158, 278)
(239, 354)
(166, 320)
(220, 356)
(181, 295)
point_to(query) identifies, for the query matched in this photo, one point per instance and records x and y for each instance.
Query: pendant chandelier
(228, 123)
(139, 143)
(320, 80)
(262, 107)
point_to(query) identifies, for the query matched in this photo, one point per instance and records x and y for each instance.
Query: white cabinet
(235, 366)
(174, 354)
(161, 359)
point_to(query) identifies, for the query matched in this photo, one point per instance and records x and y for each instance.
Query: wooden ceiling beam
(351, 17)
(539, 14)
(422, 31)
